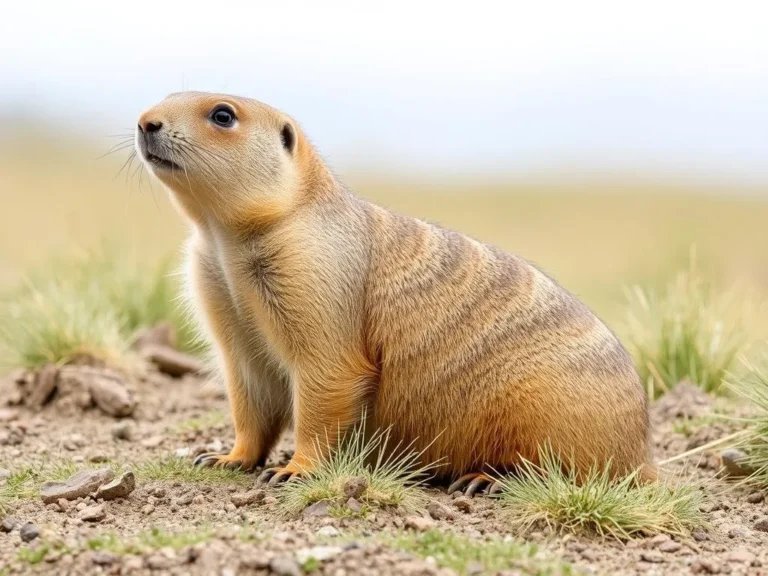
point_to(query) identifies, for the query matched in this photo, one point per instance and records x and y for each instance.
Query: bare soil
(183, 417)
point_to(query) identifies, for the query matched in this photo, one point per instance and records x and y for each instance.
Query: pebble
(652, 556)
(328, 532)
(419, 523)
(318, 553)
(198, 499)
(755, 497)
(4, 473)
(733, 461)
(658, 540)
(78, 485)
(244, 498)
(761, 524)
(8, 414)
(117, 488)
(158, 562)
(153, 441)
(148, 509)
(699, 535)
(123, 430)
(8, 524)
(284, 566)
(589, 555)
(104, 559)
(705, 566)
(440, 512)
(463, 504)
(670, 546)
(74, 441)
(354, 506)
(97, 458)
(29, 532)
(184, 499)
(316, 510)
(95, 513)
(355, 487)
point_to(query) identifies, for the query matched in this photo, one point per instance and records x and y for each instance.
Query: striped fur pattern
(322, 306)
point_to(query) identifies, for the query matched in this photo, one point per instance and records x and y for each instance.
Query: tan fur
(322, 305)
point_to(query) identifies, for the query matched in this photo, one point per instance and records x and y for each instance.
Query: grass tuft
(689, 331)
(753, 386)
(175, 468)
(91, 304)
(19, 485)
(620, 508)
(392, 475)
(153, 539)
(494, 555)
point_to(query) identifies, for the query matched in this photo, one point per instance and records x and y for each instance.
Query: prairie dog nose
(148, 126)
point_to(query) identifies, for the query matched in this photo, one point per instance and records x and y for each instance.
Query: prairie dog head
(232, 159)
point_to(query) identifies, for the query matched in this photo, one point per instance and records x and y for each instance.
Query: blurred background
(599, 140)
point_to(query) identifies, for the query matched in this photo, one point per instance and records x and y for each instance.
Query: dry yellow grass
(56, 194)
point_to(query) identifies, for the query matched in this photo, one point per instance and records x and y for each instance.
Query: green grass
(89, 304)
(393, 476)
(494, 555)
(688, 331)
(622, 508)
(149, 540)
(211, 419)
(38, 550)
(753, 386)
(175, 468)
(19, 485)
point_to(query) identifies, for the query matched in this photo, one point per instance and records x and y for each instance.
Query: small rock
(658, 540)
(419, 523)
(4, 473)
(117, 488)
(269, 501)
(354, 506)
(158, 562)
(284, 566)
(198, 500)
(184, 499)
(123, 430)
(328, 532)
(104, 559)
(761, 524)
(475, 568)
(670, 546)
(8, 524)
(589, 555)
(440, 512)
(78, 485)
(355, 487)
(241, 499)
(97, 458)
(699, 535)
(64, 504)
(106, 387)
(44, 386)
(29, 532)
(172, 362)
(153, 441)
(741, 556)
(73, 442)
(182, 452)
(95, 513)
(148, 509)
(652, 556)
(318, 553)
(734, 462)
(316, 510)
(463, 504)
(705, 566)
(756, 498)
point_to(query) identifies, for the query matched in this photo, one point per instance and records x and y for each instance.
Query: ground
(179, 521)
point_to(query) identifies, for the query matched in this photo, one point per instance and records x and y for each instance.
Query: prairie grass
(179, 469)
(89, 304)
(149, 540)
(688, 331)
(493, 555)
(391, 475)
(753, 386)
(598, 504)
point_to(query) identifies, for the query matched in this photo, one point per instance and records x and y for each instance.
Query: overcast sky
(668, 85)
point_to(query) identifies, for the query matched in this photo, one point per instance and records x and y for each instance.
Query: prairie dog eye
(223, 115)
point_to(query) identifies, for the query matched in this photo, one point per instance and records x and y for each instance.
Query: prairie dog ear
(288, 138)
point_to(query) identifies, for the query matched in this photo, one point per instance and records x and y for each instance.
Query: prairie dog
(322, 305)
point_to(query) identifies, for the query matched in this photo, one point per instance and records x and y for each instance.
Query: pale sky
(672, 85)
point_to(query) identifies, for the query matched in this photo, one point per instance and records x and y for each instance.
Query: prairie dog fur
(322, 305)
